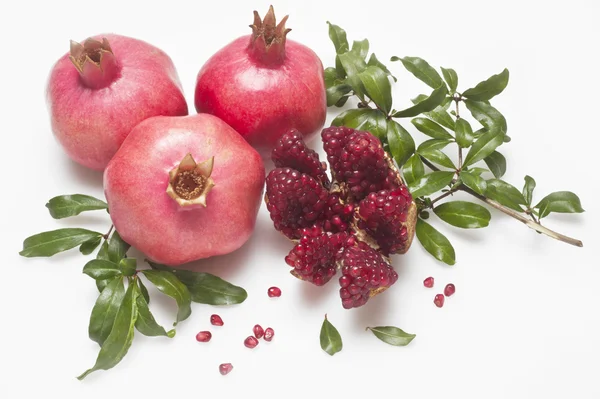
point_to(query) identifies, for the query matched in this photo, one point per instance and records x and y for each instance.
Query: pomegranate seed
(203, 336)
(274, 292)
(251, 342)
(449, 290)
(225, 368)
(258, 331)
(428, 282)
(439, 300)
(216, 320)
(269, 333)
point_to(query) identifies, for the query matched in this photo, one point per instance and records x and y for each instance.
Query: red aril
(104, 87)
(225, 368)
(439, 300)
(449, 290)
(263, 85)
(184, 188)
(251, 342)
(269, 333)
(203, 336)
(258, 331)
(216, 320)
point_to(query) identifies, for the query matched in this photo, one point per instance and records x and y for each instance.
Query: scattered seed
(274, 292)
(258, 331)
(203, 336)
(251, 342)
(225, 368)
(269, 333)
(428, 282)
(216, 320)
(439, 300)
(449, 290)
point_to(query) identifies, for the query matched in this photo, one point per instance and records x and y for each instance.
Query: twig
(112, 226)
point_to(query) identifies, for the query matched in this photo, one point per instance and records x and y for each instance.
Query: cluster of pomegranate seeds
(428, 282)
(352, 224)
(274, 292)
(225, 368)
(439, 299)
(203, 336)
(216, 320)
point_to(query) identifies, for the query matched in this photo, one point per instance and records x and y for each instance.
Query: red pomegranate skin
(261, 101)
(136, 179)
(91, 123)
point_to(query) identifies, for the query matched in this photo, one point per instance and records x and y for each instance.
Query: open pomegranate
(104, 87)
(184, 188)
(264, 84)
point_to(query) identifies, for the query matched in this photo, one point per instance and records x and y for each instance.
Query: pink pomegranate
(184, 188)
(104, 87)
(263, 85)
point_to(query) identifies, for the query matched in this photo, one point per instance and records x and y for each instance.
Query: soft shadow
(84, 176)
(313, 295)
(469, 235)
(373, 311)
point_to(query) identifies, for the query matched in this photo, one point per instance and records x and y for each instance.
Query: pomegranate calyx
(95, 62)
(267, 42)
(190, 182)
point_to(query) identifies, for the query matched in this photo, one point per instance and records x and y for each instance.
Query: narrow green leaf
(169, 284)
(353, 64)
(438, 157)
(474, 182)
(128, 266)
(377, 87)
(489, 88)
(487, 115)
(430, 128)
(429, 104)
(433, 144)
(430, 183)
(528, 189)
(119, 340)
(331, 341)
(65, 206)
(117, 248)
(421, 70)
(99, 269)
(338, 37)
(401, 143)
(464, 133)
(375, 62)
(392, 335)
(144, 290)
(146, 323)
(483, 147)
(90, 245)
(335, 93)
(413, 169)
(497, 164)
(52, 242)
(105, 310)
(504, 193)
(451, 78)
(441, 116)
(476, 170)
(435, 243)
(361, 47)
(559, 202)
(463, 214)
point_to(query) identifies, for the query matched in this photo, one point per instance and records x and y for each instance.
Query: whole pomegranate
(104, 87)
(184, 188)
(263, 85)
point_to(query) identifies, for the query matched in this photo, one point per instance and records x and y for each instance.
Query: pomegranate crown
(91, 51)
(190, 182)
(268, 37)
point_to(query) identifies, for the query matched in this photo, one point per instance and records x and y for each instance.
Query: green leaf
(435, 144)
(451, 78)
(413, 169)
(375, 62)
(441, 116)
(474, 182)
(361, 47)
(430, 128)
(144, 290)
(117, 248)
(52, 242)
(169, 284)
(370, 120)
(105, 310)
(559, 202)
(430, 183)
(528, 189)
(489, 88)
(463, 214)
(331, 341)
(504, 193)
(65, 206)
(429, 104)
(421, 70)
(338, 37)
(119, 340)
(483, 147)
(353, 64)
(90, 245)
(435, 242)
(128, 266)
(401, 143)
(438, 157)
(336, 93)
(464, 133)
(330, 77)
(497, 164)
(476, 171)
(146, 323)
(392, 335)
(99, 269)
(487, 115)
(377, 86)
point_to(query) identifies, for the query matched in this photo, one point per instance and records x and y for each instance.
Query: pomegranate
(184, 188)
(104, 87)
(263, 85)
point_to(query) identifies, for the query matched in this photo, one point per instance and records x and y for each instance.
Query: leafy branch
(369, 82)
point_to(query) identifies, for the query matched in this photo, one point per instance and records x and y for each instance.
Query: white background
(524, 322)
